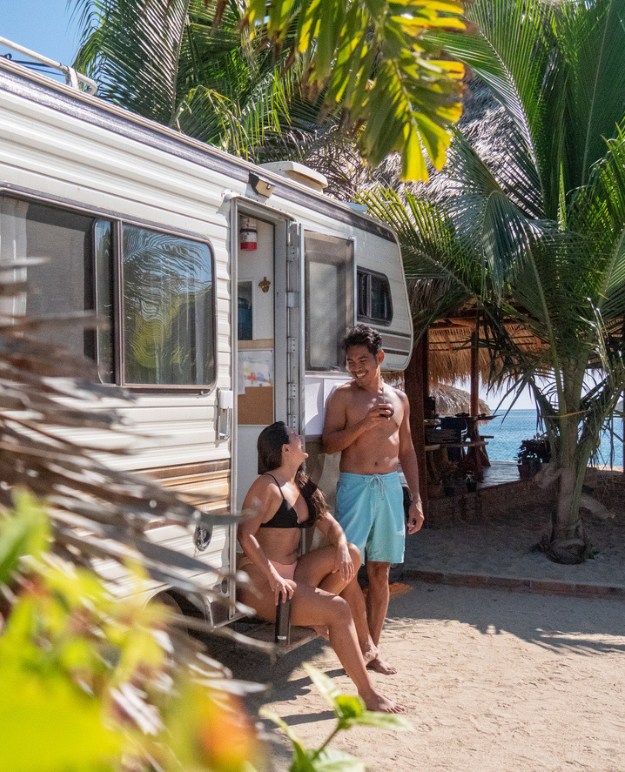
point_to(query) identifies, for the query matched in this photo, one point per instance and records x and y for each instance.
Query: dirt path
(492, 681)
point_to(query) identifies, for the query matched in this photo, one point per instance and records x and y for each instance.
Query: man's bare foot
(370, 654)
(379, 703)
(380, 666)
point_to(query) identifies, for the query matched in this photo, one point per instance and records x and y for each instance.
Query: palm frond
(132, 49)
(171, 62)
(591, 37)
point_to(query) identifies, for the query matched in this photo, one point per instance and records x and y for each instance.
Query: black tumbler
(283, 621)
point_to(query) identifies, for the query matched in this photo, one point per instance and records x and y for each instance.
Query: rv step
(265, 632)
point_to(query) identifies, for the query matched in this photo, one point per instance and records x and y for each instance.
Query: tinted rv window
(63, 283)
(374, 297)
(168, 309)
(329, 299)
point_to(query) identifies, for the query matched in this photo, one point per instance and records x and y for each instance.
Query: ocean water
(517, 425)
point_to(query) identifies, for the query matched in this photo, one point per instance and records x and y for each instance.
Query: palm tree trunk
(566, 521)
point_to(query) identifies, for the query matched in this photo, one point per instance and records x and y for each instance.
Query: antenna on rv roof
(72, 78)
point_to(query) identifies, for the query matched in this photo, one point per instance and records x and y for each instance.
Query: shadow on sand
(585, 627)
(553, 622)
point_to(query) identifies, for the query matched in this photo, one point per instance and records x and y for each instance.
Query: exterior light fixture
(260, 186)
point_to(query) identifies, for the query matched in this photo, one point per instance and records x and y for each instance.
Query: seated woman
(282, 502)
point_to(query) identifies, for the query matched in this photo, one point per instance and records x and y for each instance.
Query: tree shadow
(249, 664)
(580, 625)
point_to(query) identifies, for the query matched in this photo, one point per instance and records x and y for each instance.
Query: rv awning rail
(72, 77)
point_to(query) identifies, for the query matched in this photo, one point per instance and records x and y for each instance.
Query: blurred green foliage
(349, 711)
(94, 683)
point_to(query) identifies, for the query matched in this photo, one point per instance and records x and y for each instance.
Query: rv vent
(298, 173)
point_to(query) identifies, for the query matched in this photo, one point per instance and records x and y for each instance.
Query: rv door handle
(225, 404)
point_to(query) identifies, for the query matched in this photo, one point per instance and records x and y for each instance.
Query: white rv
(228, 287)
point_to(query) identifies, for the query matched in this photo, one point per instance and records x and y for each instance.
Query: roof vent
(298, 173)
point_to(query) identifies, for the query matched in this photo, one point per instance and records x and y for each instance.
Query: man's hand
(376, 415)
(415, 517)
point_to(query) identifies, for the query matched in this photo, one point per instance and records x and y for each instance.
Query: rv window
(245, 310)
(168, 305)
(374, 298)
(63, 283)
(168, 309)
(329, 293)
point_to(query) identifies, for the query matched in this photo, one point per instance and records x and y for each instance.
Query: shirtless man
(367, 422)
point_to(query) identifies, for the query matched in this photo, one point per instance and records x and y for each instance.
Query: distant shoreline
(600, 467)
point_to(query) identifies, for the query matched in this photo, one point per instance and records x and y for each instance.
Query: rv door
(295, 328)
(267, 332)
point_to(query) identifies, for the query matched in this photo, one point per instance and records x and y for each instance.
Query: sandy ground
(492, 681)
(495, 681)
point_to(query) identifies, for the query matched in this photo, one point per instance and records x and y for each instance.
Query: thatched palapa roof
(449, 347)
(450, 400)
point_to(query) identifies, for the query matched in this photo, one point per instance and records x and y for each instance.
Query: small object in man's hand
(388, 408)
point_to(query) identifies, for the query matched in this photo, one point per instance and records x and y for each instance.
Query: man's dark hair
(361, 335)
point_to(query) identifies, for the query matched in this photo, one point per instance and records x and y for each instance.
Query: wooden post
(414, 381)
(475, 369)
(425, 365)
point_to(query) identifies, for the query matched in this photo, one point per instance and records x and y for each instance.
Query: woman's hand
(343, 563)
(281, 586)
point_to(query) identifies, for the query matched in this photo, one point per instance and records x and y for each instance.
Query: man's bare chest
(362, 404)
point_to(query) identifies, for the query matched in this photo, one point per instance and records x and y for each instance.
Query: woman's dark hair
(362, 335)
(269, 446)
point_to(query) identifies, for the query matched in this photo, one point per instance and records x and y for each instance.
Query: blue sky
(44, 26)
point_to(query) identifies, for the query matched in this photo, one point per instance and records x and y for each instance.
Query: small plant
(471, 482)
(452, 477)
(349, 711)
(94, 683)
(450, 472)
(533, 453)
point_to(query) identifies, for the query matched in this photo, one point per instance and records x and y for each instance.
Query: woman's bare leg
(312, 606)
(315, 569)
(323, 608)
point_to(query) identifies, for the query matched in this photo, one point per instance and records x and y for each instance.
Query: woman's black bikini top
(286, 516)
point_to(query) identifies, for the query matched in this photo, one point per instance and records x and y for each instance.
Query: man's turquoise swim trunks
(370, 509)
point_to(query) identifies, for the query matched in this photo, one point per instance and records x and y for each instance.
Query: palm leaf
(374, 62)
(592, 37)
(132, 49)
(172, 63)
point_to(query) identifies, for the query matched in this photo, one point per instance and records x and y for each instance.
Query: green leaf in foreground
(25, 532)
(48, 725)
(331, 760)
(350, 711)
